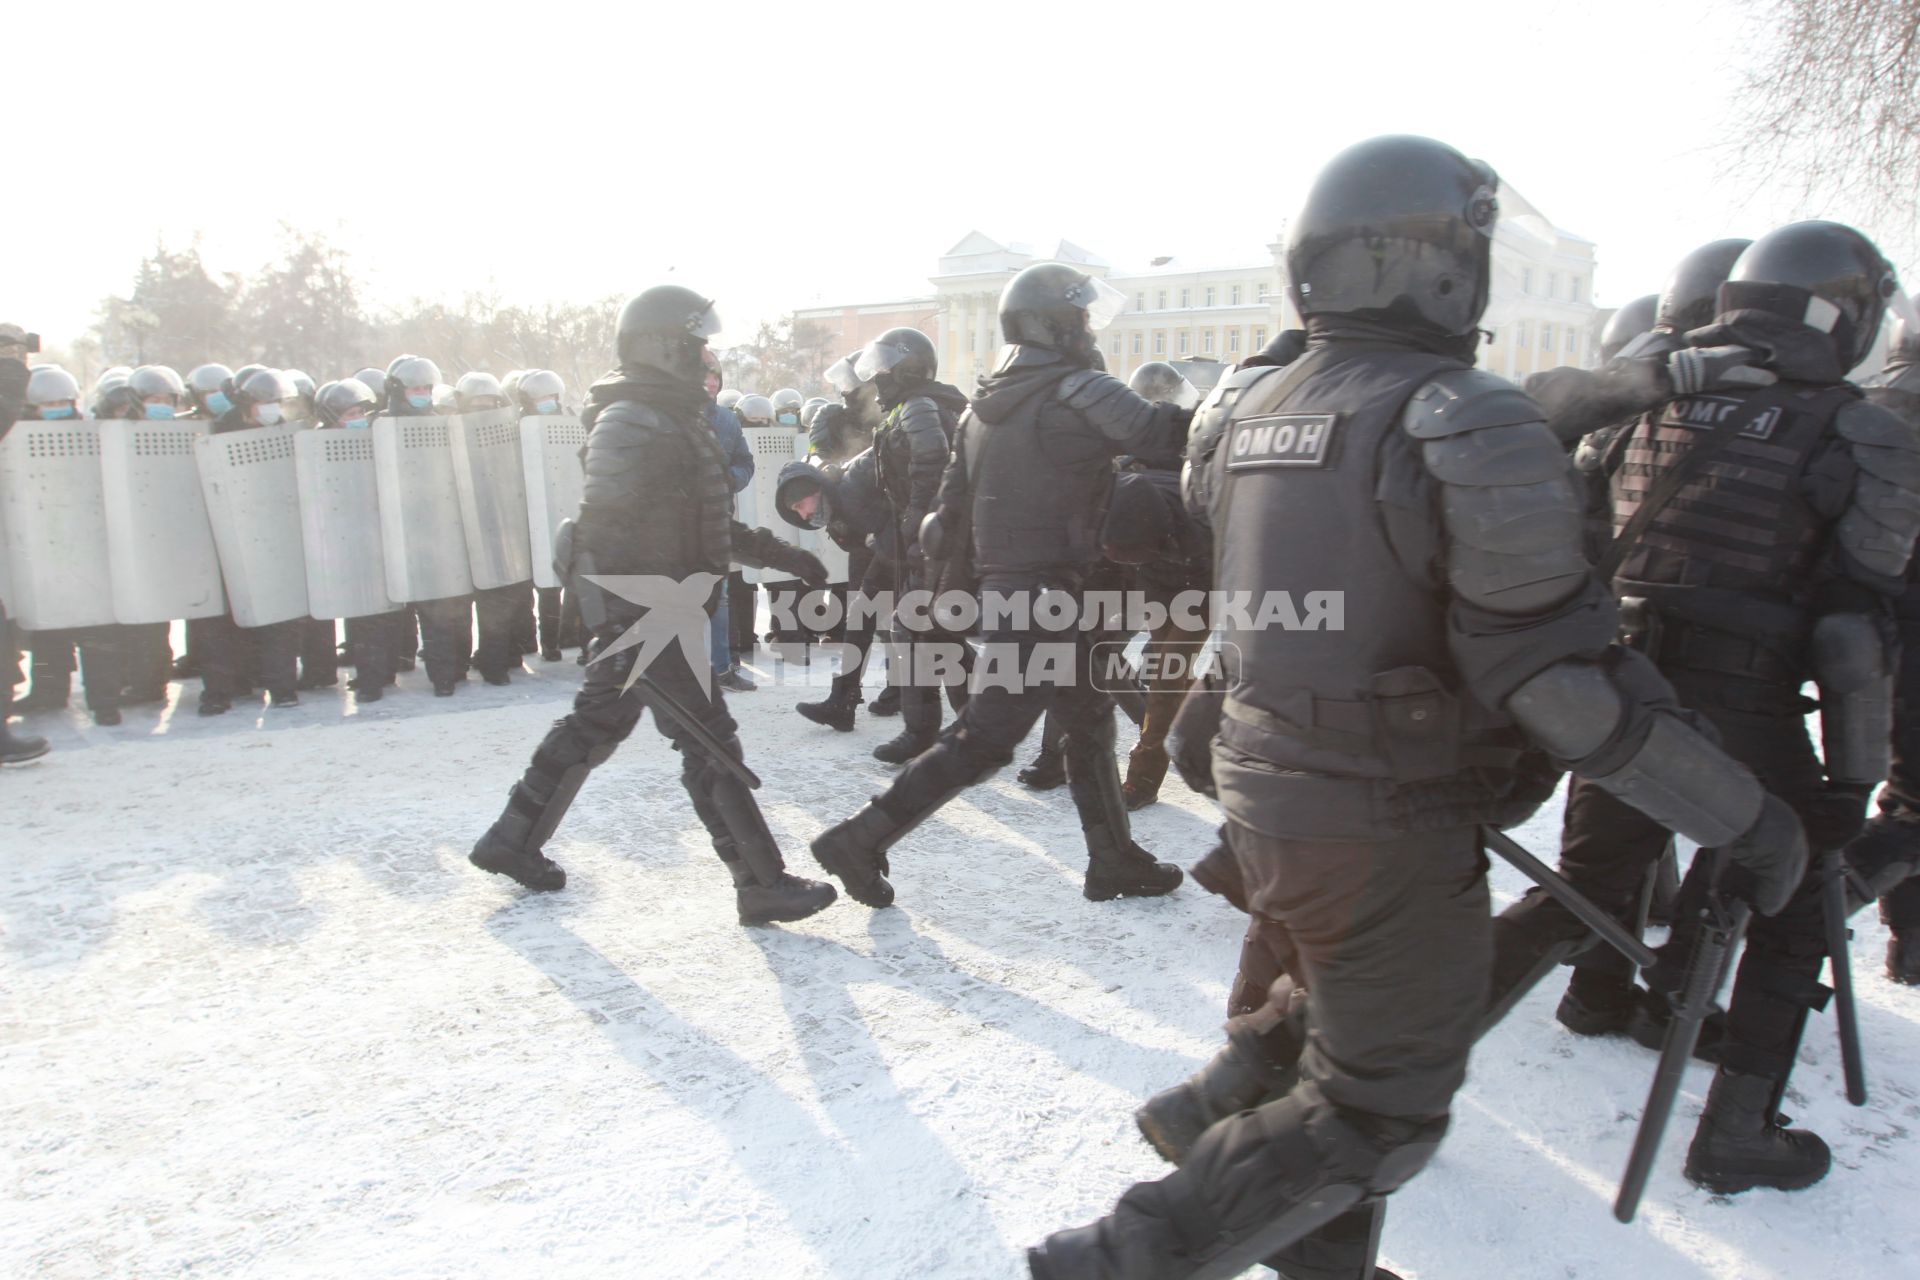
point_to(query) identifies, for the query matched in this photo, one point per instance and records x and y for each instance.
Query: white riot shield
(340, 524)
(423, 543)
(555, 478)
(253, 500)
(491, 481)
(773, 448)
(159, 538)
(54, 509)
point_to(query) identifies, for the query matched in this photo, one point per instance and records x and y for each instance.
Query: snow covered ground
(262, 1019)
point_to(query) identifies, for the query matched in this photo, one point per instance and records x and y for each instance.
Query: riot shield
(340, 524)
(488, 475)
(253, 501)
(54, 509)
(773, 448)
(550, 461)
(421, 538)
(159, 538)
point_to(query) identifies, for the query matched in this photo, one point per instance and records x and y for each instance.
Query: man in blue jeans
(740, 474)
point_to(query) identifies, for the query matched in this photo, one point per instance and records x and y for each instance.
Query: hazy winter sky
(783, 155)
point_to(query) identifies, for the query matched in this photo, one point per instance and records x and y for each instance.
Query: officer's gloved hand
(1768, 860)
(802, 564)
(1694, 369)
(1286, 347)
(1837, 815)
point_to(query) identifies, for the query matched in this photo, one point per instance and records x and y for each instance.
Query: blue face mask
(55, 415)
(420, 402)
(356, 424)
(548, 406)
(217, 402)
(790, 419)
(160, 411)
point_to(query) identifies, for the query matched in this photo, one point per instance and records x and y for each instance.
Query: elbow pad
(1850, 665)
(1644, 756)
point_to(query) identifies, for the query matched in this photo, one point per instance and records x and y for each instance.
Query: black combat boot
(1903, 957)
(1256, 1066)
(1599, 1002)
(919, 726)
(1122, 869)
(506, 850)
(1742, 1143)
(764, 898)
(887, 703)
(1648, 1027)
(856, 852)
(836, 709)
(1048, 770)
(16, 748)
(49, 693)
(1219, 872)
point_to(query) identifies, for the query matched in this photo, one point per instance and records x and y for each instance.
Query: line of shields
(139, 522)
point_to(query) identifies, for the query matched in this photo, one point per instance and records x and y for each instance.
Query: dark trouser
(741, 598)
(233, 657)
(499, 611)
(605, 712)
(1899, 817)
(1169, 658)
(148, 652)
(1391, 940)
(372, 641)
(925, 657)
(319, 653)
(101, 663)
(446, 637)
(996, 719)
(559, 619)
(877, 577)
(1607, 848)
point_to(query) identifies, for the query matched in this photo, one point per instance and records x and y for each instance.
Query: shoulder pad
(1519, 453)
(1084, 388)
(919, 413)
(1863, 422)
(1466, 400)
(1211, 419)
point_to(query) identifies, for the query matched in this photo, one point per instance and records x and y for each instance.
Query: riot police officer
(1357, 762)
(1023, 500)
(503, 615)
(1888, 853)
(349, 405)
(543, 392)
(16, 345)
(658, 503)
(1629, 322)
(376, 382)
(446, 625)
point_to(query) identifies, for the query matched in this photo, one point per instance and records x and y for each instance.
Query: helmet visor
(876, 358)
(705, 323)
(1101, 301)
(844, 376)
(1900, 307)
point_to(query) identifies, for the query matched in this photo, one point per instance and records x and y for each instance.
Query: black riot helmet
(337, 400)
(1692, 294)
(666, 328)
(1824, 275)
(1160, 382)
(1057, 306)
(1629, 322)
(1397, 231)
(896, 360)
(405, 373)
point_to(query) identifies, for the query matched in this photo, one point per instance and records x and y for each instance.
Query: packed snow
(264, 1020)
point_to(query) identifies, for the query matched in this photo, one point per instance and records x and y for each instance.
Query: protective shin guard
(772, 895)
(856, 850)
(1116, 866)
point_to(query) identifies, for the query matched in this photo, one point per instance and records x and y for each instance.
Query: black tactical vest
(1366, 729)
(657, 496)
(1040, 482)
(1738, 523)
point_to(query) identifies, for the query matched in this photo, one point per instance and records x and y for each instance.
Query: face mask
(160, 411)
(268, 415)
(548, 406)
(217, 402)
(420, 402)
(55, 415)
(356, 424)
(791, 420)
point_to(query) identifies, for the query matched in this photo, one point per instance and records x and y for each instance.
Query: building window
(1116, 344)
(1546, 337)
(1520, 335)
(1139, 339)
(1161, 305)
(1526, 280)
(1573, 288)
(1159, 342)
(1206, 342)
(1573, 341)
(1553, 284)
(1185, 341)
(1259, 339)
(1140, 301)
(1260, 295)
(1209, 295)
(1233, 295)
(1186, 299)
(1233, 342)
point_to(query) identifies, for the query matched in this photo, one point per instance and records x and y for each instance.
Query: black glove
(1837, 815)
(1287, 346)
(1694, 369)
(801, 563)
(1191, 741)
(1769, 860)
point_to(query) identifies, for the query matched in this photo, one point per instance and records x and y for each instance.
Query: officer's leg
(526, 630)
(1900, 910)
(50, 670)
(1048, 768)
(548, 602)
(604, 713)
(446, 634)
(1173, 650)
(980, 742)
(371, 640)
(1392, 940)
(104, 654)
(719, 652)
(496, 609)
(764, 890)
(319, 653)
(859, 627)
(1116, 866)
(276, 651)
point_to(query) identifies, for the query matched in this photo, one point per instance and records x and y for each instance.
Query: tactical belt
(1348, 726)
